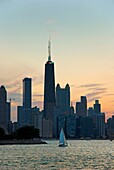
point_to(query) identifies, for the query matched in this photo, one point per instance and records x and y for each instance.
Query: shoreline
(22, 142)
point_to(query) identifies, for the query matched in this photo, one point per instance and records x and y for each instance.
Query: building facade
(63, 98)
(3, 108)
(49, 87)
(97, 107)
(27, 93)
(24, 112)
(81, 107)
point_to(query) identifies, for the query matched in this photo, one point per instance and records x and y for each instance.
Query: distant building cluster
(78, 123)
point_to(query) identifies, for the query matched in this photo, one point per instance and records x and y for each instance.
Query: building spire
(49, 50)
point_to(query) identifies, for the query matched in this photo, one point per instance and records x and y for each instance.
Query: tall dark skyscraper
(97, 107)
(3, 116)
(49, 86)
(84, 105)
(24, 112)
(27, 92)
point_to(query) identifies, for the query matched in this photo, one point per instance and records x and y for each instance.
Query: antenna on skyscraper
(49, 49)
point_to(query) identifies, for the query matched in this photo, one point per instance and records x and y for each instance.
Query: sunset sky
(82, 36)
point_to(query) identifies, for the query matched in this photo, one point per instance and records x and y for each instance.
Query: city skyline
(82, 48)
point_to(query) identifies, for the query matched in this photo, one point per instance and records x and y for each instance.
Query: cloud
(89, 85)
(38, 79)
(16, 96)
(97, 88)
(13, 84)
(15, 90)
(73, 85)
(94, 95)
(95, 91)
(93, 99)
(109, 94)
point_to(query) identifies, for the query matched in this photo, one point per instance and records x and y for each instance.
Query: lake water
(80, 154)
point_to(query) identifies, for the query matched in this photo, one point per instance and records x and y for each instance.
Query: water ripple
(86, 155)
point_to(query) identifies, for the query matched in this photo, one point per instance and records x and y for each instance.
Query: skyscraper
(81, 107)
(63, 98)
(78, 108)
(27, 92)
(49, 86)
(24, 112)
(97, 107)
(3, 113)
(84, 105)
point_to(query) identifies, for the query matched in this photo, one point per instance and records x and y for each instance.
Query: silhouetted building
(110, 128)
(20, 116)
(87, 127)
(78, 127)
(27, 92)
(24, 112)
(97, 107)
(37, 118)
(8, 116)
(57, 111)
(84, 105)
(49, 87)
(100, 125)
(78, 108)
(81, 107)
(71, 110)
(63, 98)
(71, 126)
(3, 108)
(47, 128)
(61, 123)
(90, 111)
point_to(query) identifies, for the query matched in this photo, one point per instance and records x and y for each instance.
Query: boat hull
(63, 145)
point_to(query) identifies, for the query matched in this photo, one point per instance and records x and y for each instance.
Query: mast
(49, 50)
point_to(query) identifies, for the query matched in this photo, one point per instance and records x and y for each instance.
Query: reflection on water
(82, 154)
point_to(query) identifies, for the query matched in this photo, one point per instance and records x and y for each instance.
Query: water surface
(80, 154)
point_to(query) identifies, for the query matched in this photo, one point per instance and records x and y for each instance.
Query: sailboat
(62, 139)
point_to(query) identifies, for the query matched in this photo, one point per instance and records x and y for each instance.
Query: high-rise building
(110, 128)
(78, 108)
(63, 98)
(86, 127)
(24, 112)
(90, 111)
(37, 117)
(20, 116)
(84, 105)
(49, 87)
(100, 124)
(8, 112)
(8, 116)
(81, 107)
(97, 107)
(3, 105)
(71, 126)
(27, 92)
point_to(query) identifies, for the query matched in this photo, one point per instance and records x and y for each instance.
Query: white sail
(62, 139)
